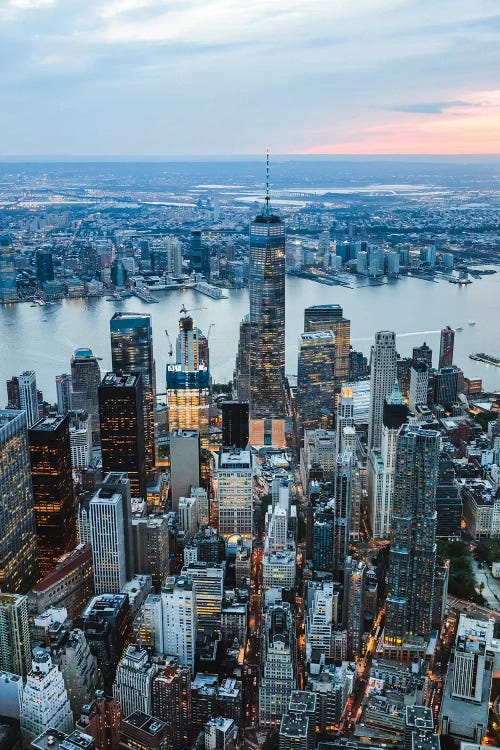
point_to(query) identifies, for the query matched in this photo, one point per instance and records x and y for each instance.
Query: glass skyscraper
(132, 351)
(315, 379)
(267, 316)
(413, 550)
(331, 318)
(86, 377)
(8, 274)
(18, 550)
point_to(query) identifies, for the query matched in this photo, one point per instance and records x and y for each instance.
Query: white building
(472, 644)
(383, 377)
(202, 505)
(278, 660)
(220, 733)
(345, 416)
(276, 529)
(45, 703)
(419, 383)
(108, 543)
(320, 619)
(28, 397)
(188, 515)
(133, 685)
(235, 493)
(80, 439)
(278, 570)
(178, 599)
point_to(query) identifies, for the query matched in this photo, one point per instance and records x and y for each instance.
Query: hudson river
(43, 338)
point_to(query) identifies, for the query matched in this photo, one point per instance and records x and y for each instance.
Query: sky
(226, 77)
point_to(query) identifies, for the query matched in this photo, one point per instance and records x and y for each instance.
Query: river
(43, 338)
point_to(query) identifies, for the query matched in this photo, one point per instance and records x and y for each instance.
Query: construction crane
(170, 348)
(191, 309)
(209, 329)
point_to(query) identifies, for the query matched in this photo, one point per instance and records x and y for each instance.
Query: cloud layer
(159, 77)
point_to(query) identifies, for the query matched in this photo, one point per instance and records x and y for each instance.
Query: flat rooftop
(234, 459)
(48, 424)
(120, 379)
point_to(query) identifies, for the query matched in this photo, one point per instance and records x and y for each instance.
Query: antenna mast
(268, 199)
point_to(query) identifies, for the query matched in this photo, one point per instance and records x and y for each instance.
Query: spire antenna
(268, 199)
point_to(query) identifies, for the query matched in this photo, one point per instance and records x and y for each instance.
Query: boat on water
(459, 328)
(472, 322)
(486, 358)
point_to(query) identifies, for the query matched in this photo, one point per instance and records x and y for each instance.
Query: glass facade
(18, 549)
(132, 351)
(267, 316)
(8, 274)
(331, 318)
(86, 377)
(316, 379)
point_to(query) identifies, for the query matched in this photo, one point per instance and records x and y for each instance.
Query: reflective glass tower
(267, 315)
(331, 318)
(8, 274)
(86, 377)
(18, 551)
(315, 379)
(132, 351)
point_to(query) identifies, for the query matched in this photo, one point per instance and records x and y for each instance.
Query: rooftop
(120, 379)
(48, 424)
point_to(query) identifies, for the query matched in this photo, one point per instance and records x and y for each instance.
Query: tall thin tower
(383, 377)
(267, 313)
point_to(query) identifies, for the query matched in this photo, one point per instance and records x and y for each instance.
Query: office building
(241, 375)
(343, 510)
(412, 556)
(383, 377)
(354, 598)
(28, 396)
(184, 463)
(108, 542)
(278, 569)
(44, 266)
(187, 515)
(235, 423)
(235, 493)
(446, 346)
(208, 581)
(13, 396)
(172, 703)
(446, 382)
(278, 664)
(101, 719)
(132, 351)
(331, 318)
(79, 669)
(199, 253)
(8, 273)
(139, 731)
(45, 703)
(419, 384)
(382, 464)
(133, 683)
(178, 604)
(53, 739)
(448, 501)
(316, 379)
(15, 653)
(320, 619)
(472, 652)
(18, 542)
(85, 379)
(323, 539)
(423, 354)
(80, 439)
(52, 479)
(267, 315)
(151, 547)
(63, 390)
(121, 414)
(220, 733)
(70, 584)
(344, 418)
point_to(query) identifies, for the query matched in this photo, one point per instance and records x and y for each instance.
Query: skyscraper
(121, 413)
(445, 391)
(235, 493)
(413, 551)
(345, 418)
(422, 354)
(184, 463)
(278, 663)
(235, 423)
(383, 377)
(63, 389)
(178, 602)
(199, 255)
(419, 383)
(316, 379)
(28, 397)
(343, 510)
(267, 315)
(13, 396)
(172, 703)
(15, 639)
(51, 473)
(241, 375)
(86, 377)
(133, 683)
(446, 346)
(132, 351)
(108, 542)
(8, 274)
(18, 548)
(331, 318)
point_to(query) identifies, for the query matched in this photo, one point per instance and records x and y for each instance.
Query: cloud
(434, 108)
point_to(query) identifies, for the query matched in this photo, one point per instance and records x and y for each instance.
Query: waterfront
(43, 338)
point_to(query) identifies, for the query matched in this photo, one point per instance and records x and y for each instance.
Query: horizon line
(23, 158)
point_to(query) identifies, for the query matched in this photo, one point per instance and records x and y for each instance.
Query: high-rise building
(413, 550)
(220, 733)
(15, 653)
(188, 381)
(331, 318)
(382, 466)
(184, 463)
(267, 315)
(80, 439)
(235, 493)
(343, 510)
(316, 379)
(79, 669)
(235, 423)
(45, 703)
(178, 604)
(446, 381)
(44, 266)
(383, 377)
(108, 542)
(419, 383)
(133, 685)
(28, 397)
(53, 492)
(344, 418)
(86, 378)
(132, 351)
(446, 346)
(354, 593)
(69, 585)
(472, 644)
(422, 354)
(278, 664)
(151, 547)
(140, 731)
(8, 273)
(100, 719)
(63, 389)
(448, 501)
(18, 546)
(208, 581)
(199, 255)
(121, 413)
(172, 704)
(241, 375)
(13, 395)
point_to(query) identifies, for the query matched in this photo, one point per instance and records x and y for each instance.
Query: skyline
(149, 77)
